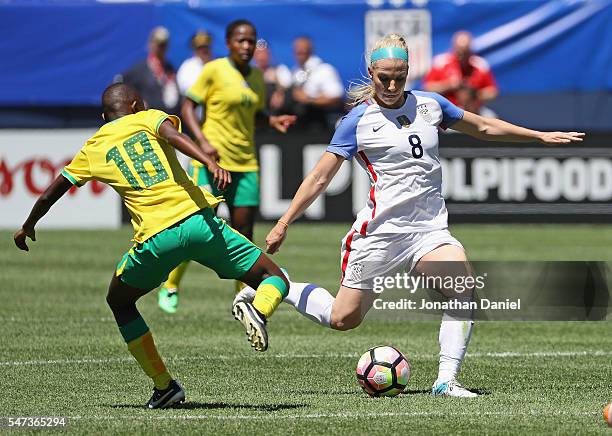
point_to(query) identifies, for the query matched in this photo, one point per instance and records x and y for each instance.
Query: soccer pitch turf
(61, 353)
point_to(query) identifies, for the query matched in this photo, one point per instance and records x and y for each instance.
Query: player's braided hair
(364, 89)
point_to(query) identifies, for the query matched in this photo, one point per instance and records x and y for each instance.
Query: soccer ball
(608, 414)
(383, 371)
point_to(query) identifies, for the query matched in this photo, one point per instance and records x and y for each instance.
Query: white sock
(311, 301)
(455, 334)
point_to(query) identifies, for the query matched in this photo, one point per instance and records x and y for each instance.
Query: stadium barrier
(30, 160)
(482, 181)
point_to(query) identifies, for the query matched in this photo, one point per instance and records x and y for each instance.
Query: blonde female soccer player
(394, 136)
(233, 94)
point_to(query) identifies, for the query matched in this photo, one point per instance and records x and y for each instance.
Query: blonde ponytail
(363, 90)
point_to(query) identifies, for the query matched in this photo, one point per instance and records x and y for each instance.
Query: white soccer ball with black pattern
(383, 371)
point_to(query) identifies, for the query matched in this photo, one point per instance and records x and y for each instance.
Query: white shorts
(365, 257)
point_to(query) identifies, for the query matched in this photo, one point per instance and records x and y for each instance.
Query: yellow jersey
(231, 102)
(129, 155)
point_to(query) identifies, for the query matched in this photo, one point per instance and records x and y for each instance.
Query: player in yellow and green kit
(173, 222)
(233, 94)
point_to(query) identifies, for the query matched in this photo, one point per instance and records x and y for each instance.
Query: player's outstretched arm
(54, 192)
(315, 182)
(185, 145)
(492, 129)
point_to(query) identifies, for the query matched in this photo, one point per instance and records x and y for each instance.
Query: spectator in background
(315, 90)
(461, 76)
(155, 78)
(275, 93)
(190, 69)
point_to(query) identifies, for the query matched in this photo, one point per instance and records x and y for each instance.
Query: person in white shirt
(394, 136)
(190, 69)
(314, 87)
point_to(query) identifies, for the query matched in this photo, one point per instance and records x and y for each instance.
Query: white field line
(56, 319)
(500, 355)
(323, 415)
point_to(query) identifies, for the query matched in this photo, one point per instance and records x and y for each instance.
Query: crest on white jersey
(424, 112)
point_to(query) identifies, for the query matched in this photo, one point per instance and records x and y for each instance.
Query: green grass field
(61, 353)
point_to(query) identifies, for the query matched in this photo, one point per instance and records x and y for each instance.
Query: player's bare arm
(190, 118)
(54, 192)
(492, 129)
(186, 146)
(313, 185)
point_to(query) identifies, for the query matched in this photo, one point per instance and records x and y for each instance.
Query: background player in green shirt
(233, 94)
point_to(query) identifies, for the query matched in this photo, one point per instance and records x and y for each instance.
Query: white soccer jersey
(399, 150)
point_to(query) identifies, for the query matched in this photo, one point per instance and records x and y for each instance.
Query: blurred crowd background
(536, 62)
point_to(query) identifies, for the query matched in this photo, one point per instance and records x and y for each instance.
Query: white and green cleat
(451, 388)
(167, 300)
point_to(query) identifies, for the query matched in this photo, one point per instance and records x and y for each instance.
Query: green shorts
(242, 192)
(201, 237)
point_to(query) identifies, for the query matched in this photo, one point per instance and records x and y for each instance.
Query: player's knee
(115, 300)
(344, 324)
(345, 320)
(111, 300)
(118, 297)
